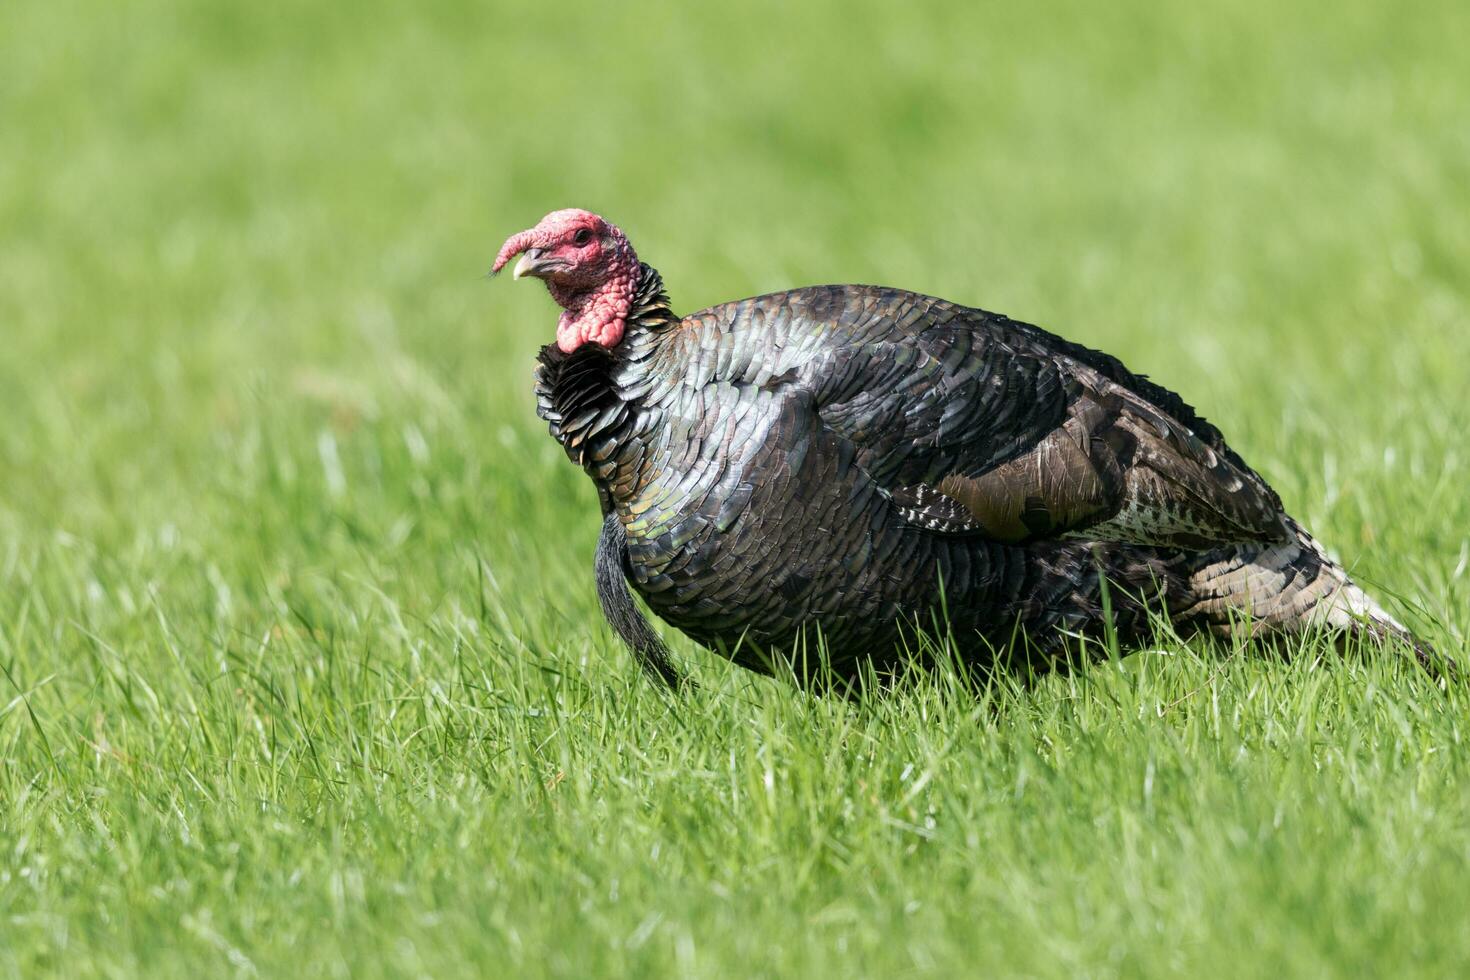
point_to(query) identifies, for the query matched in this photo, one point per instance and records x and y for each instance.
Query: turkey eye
(582, 237)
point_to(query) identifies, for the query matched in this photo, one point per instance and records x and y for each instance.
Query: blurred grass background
(302, 665)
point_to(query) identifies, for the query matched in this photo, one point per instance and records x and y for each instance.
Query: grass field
(302, 666)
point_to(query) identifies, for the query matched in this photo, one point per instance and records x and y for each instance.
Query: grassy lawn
(303, 671)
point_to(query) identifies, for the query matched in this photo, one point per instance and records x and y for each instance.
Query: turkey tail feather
(1290, 586)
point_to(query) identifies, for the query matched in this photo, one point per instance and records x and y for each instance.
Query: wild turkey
(870, 461)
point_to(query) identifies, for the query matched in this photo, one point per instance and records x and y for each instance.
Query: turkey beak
(530, 264)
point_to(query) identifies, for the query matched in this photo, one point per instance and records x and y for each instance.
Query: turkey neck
(596, 400)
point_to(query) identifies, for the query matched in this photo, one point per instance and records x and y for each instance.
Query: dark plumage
(868, 459)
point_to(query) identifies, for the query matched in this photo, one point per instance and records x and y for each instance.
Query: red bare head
(588, 267)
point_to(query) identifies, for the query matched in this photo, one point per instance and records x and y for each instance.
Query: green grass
(302, 666)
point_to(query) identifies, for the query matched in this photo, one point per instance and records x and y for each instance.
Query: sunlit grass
(303, 670)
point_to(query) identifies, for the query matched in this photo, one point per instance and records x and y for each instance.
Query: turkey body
(868, 460)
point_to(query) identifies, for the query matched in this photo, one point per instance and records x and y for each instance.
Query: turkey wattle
(868, 460)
